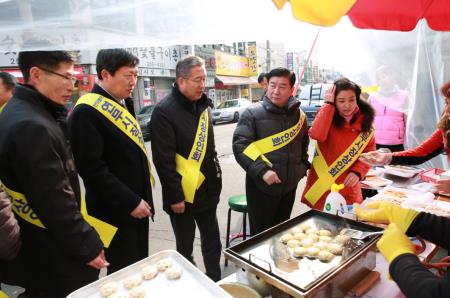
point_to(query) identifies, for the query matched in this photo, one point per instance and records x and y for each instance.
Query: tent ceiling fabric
(318, 12)
(89, 24)
(373, 14)
(400, 15)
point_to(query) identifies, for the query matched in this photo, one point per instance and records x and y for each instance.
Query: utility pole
(267, 56)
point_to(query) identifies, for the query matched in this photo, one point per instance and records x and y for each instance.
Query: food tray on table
(412, 199)
(376, 181)
(192, 280)
(401, 171)
(269, 256)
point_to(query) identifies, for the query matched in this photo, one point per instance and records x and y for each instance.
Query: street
(233, 179)
(233, 183)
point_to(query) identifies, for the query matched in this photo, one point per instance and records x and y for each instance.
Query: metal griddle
(312, 278)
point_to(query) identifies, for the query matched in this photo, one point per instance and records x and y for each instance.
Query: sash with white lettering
(189, 169)
(327, 175)
(274, 142)
(120, 117)
(21, 207)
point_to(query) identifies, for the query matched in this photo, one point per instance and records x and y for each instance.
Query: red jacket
(333, 142)
(428, 149)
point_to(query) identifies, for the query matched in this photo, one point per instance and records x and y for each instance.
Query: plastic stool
(236, 203)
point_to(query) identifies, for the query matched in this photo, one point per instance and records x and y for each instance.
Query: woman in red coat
(437, 143)
(343, 130)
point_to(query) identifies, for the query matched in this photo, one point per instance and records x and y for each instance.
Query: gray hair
(185, 65)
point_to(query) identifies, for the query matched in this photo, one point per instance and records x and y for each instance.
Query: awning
(231, 80)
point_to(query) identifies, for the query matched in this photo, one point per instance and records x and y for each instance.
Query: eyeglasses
(197, 81)
(70, 78)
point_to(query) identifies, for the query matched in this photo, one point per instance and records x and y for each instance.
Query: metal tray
(192, 281)
(254, 254)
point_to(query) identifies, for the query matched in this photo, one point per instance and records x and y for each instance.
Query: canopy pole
(297, 85)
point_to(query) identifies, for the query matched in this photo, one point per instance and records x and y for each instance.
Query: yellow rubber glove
(385, 213)
(394, 243)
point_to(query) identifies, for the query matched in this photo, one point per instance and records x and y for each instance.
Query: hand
(329, 95)
(377, 158)
(143, 210)
(443, 186)
(386, 212)
(178, 207)
(394, 243)
(99, 262)
(270, 177)
(351, 180)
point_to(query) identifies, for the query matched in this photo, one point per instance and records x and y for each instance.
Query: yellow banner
(274, 142)
(327, 175)
(121, 118)
(252, 60)
(21, 207)
(231, 65)
(189, 169)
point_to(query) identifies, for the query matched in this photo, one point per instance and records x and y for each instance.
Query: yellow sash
(2, 107)
(274, 142)
(189, 169)
(327, 175)
(21, 207)
(120, 117)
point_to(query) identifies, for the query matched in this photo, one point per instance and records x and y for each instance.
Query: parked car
(230, 110)
(311, 99)
(143, 118)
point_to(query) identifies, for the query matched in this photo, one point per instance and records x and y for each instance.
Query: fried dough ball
(108, 289)
(325, 256)
(324, 232)
(305, 226)
(149, 272)
(299, 236)
(325, 239)
(163, 264)
(307, 242)
(132, 282)
(342, 239)
(286, 237)
(321, 245)
(335, 248)
(312, 251)
(300, 251)
(293, 243)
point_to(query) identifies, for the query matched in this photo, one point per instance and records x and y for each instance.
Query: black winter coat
(114, 169)
(173, 127)
(290, 162)
(35, 159)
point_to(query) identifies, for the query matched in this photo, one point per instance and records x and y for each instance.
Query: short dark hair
(369, 114)
(185, 65)
(47, 59)
(8, 80)
(261, 77)
(113, 59)
(282, 72)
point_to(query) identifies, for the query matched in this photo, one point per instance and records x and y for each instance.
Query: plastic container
(335, 202)
(431, 175)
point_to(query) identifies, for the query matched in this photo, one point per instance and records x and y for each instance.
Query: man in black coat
(273, 175)
(112, 160)
(184, 154)
(61, 251)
